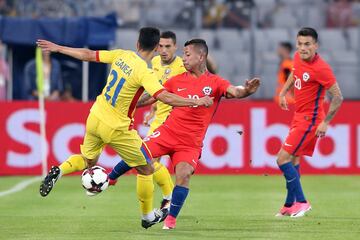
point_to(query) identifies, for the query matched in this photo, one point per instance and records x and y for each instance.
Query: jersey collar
(148, 63)
(168, 64)
(206, 73)
(316, 57)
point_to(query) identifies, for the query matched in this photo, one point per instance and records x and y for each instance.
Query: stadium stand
(276, 21)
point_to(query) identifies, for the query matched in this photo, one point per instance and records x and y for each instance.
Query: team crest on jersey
(165, 76)
(306, 76)
(207, 90)
(167, 71)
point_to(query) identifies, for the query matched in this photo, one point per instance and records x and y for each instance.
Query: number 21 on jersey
(118, 87)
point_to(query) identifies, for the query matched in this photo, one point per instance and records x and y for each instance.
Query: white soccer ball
(94, 180)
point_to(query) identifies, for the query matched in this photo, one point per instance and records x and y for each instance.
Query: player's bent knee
(283, 157)
(145, 169)
(183, 172)
(183, 179)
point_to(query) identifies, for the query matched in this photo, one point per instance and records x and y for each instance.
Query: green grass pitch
(218, 207)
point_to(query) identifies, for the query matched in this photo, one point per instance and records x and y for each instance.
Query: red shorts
(301, 139)
(163, 142)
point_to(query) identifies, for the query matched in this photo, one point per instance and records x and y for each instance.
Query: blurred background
(246, 38)
(243, 36)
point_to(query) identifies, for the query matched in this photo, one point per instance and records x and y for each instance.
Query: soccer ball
(94, 180)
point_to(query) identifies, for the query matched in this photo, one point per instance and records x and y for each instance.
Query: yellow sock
(163, 179)
(73, 164)
(145, 192)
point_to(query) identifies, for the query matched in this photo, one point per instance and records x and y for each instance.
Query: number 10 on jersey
(119, 85)
(193, 97)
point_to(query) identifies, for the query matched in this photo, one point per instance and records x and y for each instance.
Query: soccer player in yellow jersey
(165, 65)
(111, 117)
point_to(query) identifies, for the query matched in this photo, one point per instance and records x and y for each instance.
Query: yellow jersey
(164, 72)
(129, 76)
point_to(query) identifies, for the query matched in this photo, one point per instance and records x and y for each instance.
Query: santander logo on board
(223, 147)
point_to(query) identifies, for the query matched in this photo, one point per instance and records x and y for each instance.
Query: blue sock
(179, 195)
(293, 184)
(119, 170)
(290, 198)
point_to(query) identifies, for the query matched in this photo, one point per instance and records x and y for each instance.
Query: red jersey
(311, 81)
(189, 124)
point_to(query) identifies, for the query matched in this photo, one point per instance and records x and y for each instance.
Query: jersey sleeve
(222, 86)
(151, 83)
(169, 84)
(105, 56)
(326, 77)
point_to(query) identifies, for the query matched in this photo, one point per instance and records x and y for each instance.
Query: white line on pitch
(20, 186)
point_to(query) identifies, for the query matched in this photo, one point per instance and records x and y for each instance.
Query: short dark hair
(287, 45)
(199, 44)
(149, 38)
(308, 31)
(169, 34)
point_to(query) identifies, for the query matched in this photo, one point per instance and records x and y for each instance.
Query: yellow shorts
(126, 143)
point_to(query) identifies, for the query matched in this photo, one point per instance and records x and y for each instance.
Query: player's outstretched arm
(287, 86)
(177, 101)
(145, 100)
(336, 101)
(250, 87)
(82, 54)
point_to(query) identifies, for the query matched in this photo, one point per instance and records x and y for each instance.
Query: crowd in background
(179, 13)
(174, 14)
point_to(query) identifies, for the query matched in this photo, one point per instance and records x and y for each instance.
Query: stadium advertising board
(243, 138)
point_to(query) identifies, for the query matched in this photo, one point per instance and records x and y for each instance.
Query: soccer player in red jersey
(311, 77)
(181, 135)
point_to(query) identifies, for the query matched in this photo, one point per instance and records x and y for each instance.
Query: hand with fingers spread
(252, 85)
(47, 45)
(82, 54)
